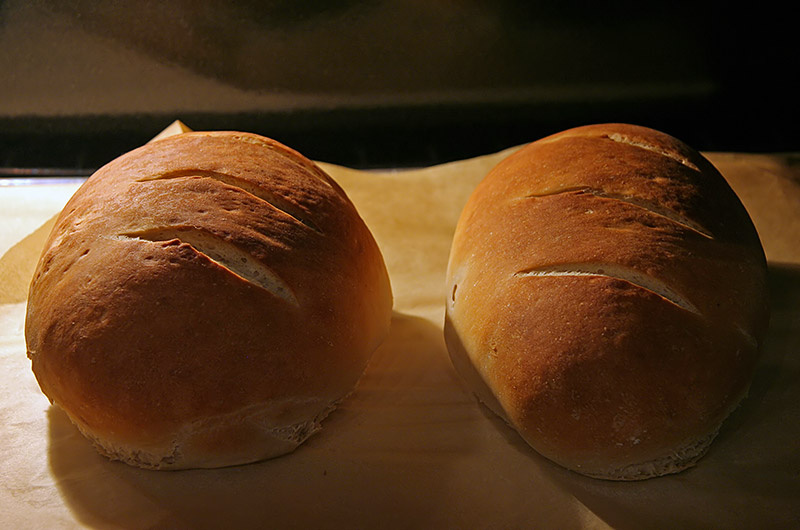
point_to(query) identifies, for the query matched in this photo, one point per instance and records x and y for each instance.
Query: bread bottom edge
(267, 441)
(680, 459)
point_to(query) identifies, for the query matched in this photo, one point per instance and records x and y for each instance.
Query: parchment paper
(410, 448)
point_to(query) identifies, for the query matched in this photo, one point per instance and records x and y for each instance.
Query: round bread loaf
(205, 300)
(607, 298)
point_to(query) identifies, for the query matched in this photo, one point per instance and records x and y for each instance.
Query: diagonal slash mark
(633, 201)
(617, 272)
(223, 253)
(273, 199)
(620, 138)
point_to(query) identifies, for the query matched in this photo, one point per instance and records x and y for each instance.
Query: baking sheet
(410, 448)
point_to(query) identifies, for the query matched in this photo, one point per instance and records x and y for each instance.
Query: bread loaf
(204, 301)
(607, 298)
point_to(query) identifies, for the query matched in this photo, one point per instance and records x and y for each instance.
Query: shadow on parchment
(750, 478)
(369, 467)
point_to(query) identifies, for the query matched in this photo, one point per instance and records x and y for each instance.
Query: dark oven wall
(383, 83)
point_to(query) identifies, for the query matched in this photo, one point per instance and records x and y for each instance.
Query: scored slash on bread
(614, 271)
(223, 253)
(635, 201)
(258, 191)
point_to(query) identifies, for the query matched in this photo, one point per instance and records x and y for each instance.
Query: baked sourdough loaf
(204, 301)
(607, 298)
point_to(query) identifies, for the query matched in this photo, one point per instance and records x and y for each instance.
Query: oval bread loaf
(204, 301)
(607, 298)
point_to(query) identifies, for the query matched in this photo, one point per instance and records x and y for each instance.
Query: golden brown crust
(205, 300)
(608, 299)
